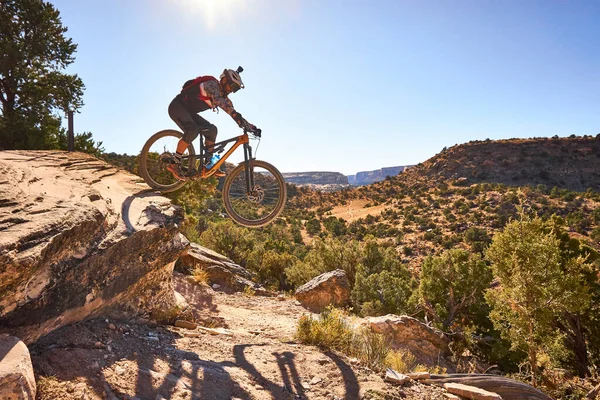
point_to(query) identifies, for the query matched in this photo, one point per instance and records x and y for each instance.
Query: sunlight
(215, 12)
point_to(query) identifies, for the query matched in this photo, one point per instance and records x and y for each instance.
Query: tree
(33, 90)
(326, 256)
(383, 284)
(534, 287)
(581, 327)
(452, 286)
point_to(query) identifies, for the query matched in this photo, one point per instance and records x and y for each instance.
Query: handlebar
(256, 132)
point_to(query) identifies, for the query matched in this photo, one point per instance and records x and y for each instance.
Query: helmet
(232, 79)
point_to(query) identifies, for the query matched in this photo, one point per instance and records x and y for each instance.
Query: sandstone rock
(185, 324)
(330, 288)
(427, 344)
(502, 386)
(395, 377)
(471, 392)
(418, 375)
(17, 381)
(80, 239)
(220, 270)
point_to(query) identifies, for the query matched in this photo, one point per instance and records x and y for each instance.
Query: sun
(214, 12)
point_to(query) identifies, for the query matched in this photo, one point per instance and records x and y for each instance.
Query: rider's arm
(218, 100)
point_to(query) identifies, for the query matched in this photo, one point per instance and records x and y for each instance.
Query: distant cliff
(315, 178)
(368, 177)
(332, 181)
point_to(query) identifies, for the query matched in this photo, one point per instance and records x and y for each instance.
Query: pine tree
(33, 88)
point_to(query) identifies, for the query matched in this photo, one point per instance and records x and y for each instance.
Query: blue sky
(342, 85)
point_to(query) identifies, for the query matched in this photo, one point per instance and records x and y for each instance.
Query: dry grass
(200, 276)
(332, 330)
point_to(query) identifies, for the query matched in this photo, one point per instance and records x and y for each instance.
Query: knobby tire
(237, 174)
(144, 166)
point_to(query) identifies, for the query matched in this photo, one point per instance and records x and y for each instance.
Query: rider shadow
(289, 374)
(126, 210)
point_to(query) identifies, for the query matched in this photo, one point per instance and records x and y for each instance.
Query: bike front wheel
(155, 157)
(256, 203)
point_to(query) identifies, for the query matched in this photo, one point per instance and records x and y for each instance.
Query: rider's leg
(183, 118)
(208, 130)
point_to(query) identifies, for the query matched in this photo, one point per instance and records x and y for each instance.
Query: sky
(342, 85)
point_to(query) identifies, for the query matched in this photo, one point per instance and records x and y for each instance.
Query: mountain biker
(201, 94)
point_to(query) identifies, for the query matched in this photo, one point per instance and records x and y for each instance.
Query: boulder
(330, 288)
(220, 270)
(17, 381)
(427, 344)
(78, 239)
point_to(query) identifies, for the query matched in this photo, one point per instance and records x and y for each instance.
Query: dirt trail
(101, 359)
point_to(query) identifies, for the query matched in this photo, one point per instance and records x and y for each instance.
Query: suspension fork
(249, 170)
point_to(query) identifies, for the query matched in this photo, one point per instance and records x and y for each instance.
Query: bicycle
(254, 192)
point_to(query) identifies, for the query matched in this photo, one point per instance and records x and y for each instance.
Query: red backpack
(192, 86)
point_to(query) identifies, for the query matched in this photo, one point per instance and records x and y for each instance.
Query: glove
(252, 128)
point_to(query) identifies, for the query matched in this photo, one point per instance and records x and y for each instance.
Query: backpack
(192, 84)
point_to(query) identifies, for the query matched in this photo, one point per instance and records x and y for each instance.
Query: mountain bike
(254, 192)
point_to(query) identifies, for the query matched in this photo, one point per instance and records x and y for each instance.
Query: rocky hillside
(568, 163)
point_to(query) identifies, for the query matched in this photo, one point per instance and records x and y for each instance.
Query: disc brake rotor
(256, 195)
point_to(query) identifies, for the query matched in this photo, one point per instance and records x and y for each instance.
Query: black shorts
(190, 123)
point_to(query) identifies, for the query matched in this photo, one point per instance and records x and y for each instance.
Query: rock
(502, 386)
(17, 381)
(216, 331)
(330, 288)
(315, 380)
(427, 344)
(470, 392)
(112, 327)
(395, 377)
(185, 324)
(418, 375)
(220, 270)
(65, 257)
(281, 297)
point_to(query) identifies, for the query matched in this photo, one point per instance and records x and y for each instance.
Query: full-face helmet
(231, 81)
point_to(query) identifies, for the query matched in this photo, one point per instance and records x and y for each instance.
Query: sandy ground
(355, 209)
(255, 357)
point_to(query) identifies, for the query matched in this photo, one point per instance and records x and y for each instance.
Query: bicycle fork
(249, 169)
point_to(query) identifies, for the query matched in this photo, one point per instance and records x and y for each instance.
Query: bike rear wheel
(155, 156)
(265, 200)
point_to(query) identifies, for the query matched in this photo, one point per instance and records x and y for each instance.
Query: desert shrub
(326, 255)
(477, 238)
(229, 239)
(329, 330)
(313, 226)
(452, 288)
(537, 287)
(383, 283)
(332, 330)
(336, 226)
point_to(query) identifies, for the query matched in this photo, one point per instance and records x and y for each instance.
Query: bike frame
(218, 147)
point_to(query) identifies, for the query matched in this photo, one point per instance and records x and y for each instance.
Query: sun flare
(214, 12)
